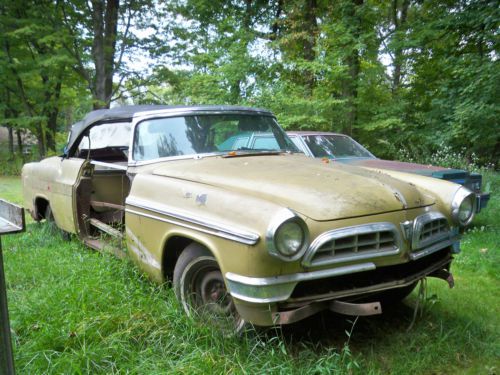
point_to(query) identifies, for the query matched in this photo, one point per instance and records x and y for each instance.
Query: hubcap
(214, 293)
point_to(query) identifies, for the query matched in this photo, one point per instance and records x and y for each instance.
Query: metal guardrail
(11, 221)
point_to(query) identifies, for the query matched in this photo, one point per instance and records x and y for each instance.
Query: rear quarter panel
(53, 179)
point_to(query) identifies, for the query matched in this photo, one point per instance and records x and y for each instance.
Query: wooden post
(11, 221)
(6, 358)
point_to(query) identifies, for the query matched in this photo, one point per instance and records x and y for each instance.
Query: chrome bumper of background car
(482, 201)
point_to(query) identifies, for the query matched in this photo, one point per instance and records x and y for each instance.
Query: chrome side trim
(280, 288)
(351, 231)
(205, 226)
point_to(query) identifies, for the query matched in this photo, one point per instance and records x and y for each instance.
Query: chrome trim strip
(432, 249)
(213, 228)
(280, 288)
(192, 111)
(351, 231)
(109, 165)
(173, 158)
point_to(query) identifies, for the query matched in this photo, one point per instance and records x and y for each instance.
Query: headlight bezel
(461, 195)
(283, 217)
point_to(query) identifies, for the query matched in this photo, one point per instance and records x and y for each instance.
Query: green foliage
(318, 65)
(399, 74)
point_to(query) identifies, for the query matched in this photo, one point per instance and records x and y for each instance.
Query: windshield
(106, 135)
(188, 135)
(335, 146)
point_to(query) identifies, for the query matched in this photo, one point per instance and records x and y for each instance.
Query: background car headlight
(463, 206)
(287, 237)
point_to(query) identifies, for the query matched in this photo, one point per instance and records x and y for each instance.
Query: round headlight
(466, 209)
(289, 238)
(463, 206)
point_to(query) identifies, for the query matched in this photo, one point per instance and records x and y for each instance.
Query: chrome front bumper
(280, 288)
(265, 290)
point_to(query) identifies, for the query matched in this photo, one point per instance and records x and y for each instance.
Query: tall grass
(77, 311)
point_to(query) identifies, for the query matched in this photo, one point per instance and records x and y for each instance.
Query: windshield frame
(183, 113)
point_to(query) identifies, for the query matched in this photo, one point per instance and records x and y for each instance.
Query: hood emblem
(400, 198)
(201, 199)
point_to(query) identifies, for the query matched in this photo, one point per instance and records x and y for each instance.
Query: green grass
(77, 311)
(10, 189)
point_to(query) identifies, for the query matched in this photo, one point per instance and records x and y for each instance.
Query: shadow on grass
(333, 329)
(441, 327)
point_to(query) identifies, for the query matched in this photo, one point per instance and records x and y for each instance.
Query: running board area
(104, 247)
(106, 228)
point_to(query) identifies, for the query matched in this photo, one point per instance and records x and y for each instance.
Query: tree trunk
(311, 27)
(51, 112)
(105, 28)
(11, 142)
(352, 61)
(19, 143)
(40, 140)
(399, 17)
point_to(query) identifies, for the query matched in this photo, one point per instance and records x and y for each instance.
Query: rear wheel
(200, 288)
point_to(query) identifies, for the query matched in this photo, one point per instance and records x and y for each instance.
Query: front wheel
(200, 288)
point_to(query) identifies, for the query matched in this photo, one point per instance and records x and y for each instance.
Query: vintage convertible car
(258, 233)
(344, 149)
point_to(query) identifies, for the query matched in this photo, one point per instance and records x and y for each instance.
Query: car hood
(455, 175)
(315, 189)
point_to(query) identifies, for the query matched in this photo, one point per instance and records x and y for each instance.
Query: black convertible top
(127, 113)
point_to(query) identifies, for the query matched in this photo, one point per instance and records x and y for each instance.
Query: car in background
(218, 200)
(342, 148)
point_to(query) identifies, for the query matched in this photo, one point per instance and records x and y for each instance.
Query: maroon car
(344, 149)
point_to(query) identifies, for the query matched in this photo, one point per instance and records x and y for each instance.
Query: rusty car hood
(315, 189)
(457, 176)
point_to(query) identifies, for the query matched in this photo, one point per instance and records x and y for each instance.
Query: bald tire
(195, 270)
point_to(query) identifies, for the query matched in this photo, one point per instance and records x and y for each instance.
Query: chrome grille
(433, 229)
(430, 229)
(353, 243)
